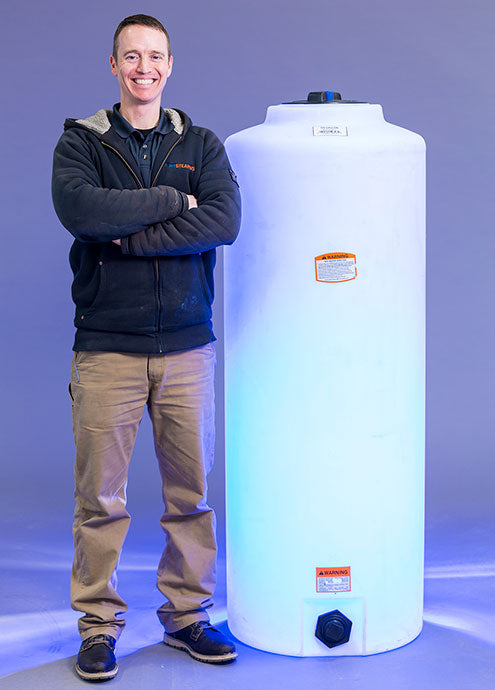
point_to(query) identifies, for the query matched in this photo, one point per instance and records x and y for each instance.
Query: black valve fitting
(333, 628)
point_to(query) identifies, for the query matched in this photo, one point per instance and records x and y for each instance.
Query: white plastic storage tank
(324, 333)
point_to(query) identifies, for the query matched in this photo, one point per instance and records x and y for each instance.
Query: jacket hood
(100, 121)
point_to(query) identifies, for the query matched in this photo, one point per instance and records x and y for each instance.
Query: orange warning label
(333, 579)
(335, 267)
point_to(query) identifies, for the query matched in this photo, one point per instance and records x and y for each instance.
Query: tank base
(306, 644)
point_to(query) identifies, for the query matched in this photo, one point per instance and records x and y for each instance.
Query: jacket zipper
(157, 265)
(165, 159)
(126, 163)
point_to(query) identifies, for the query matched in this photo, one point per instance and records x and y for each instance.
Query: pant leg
(109, 392)
(182, 410)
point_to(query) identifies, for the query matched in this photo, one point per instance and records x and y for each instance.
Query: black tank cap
(323, 97)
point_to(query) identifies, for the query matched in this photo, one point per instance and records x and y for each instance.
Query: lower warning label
(333, 579)
(335, 267)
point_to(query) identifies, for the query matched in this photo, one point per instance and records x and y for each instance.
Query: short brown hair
(140, 20)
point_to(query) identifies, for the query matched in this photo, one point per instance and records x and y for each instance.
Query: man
(148, 197)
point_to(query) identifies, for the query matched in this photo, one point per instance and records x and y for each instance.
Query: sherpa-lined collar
(100, 121)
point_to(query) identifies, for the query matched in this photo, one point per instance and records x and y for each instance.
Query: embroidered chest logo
(185, 166)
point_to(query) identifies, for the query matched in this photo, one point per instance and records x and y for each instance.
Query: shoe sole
(97, 677)
(219, 659)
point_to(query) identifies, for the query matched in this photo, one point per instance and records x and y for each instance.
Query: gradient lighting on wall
(324, 332)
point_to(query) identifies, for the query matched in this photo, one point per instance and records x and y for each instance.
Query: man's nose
(144, 64)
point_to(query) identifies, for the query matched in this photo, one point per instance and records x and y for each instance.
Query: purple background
(430, 65)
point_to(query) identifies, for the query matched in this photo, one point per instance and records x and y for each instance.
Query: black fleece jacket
(154, 292)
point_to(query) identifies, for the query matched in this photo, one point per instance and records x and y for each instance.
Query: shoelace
(98, 639)
(198, 628)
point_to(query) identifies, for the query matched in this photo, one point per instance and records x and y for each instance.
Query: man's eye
(157, 57)
(131, 57)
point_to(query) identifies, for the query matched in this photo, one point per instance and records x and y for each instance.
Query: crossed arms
(158, 221)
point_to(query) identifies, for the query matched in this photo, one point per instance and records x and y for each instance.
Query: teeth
(143, 81)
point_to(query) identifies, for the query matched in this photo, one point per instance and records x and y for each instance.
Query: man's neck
(141, 116)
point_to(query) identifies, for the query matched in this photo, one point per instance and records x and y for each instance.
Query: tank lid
(323, 97)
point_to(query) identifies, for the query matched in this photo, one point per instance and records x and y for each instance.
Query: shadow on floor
(440, 657)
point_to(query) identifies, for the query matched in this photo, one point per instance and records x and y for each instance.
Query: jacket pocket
(185, 292)
(125, 301)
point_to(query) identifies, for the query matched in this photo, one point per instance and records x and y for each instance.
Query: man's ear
(113, 65)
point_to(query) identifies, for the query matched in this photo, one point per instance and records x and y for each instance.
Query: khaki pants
(109, 392)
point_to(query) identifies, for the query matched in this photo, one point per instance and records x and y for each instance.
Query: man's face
(143, 64)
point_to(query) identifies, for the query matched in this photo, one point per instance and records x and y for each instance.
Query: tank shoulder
(246, 133)
(406, 134)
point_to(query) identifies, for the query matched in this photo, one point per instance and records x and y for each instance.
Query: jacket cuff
(185, 202)
(124, 245)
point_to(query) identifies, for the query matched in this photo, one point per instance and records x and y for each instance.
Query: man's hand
(116, 242)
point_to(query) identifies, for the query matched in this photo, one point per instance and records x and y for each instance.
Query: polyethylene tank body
(324, 335)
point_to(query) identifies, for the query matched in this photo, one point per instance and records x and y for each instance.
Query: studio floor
(39, 640)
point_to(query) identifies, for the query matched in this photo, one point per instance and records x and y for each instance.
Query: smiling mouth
(143, 82)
